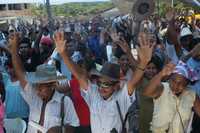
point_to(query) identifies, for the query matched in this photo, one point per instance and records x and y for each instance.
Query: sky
(42, 1)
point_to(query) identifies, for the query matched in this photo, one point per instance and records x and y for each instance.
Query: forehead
(104, 79)
(178, 78)
(151, 64)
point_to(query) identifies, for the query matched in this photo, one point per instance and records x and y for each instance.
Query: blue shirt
(93, 44)
(196, 66)
(64, 69)
(15, 105)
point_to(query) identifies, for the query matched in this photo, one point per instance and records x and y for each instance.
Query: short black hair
(157, 61)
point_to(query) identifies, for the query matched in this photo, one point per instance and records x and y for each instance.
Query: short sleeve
(171, 53)
(71, 117)
(28, 93)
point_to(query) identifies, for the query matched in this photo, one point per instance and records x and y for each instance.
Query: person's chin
(177, 93)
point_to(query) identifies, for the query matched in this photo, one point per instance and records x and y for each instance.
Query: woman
(173, 101)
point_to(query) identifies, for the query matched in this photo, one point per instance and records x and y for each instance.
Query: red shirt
(80, 105)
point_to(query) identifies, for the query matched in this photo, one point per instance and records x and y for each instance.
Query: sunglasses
(106, 84)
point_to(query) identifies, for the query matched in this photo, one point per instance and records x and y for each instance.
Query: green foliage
(179, 6)
(74, 9)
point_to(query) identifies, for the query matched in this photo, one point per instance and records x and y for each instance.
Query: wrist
(141, 67)
(161, 75)
(63, 53)
(143, 64)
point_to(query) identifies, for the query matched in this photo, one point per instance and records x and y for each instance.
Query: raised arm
(154, 89)
(17, 63)
(126, 49)
(193, 53)
(43, 26)
(171, 31)
(78, 72)
(144, 55)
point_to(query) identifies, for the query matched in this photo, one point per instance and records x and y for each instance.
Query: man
(186, 38)
(40, 94)
(173, 101)
(106, 101)
(29, 56)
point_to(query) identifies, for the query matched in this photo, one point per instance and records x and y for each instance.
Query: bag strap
(62, 113)
(119, 111)
(121, 117)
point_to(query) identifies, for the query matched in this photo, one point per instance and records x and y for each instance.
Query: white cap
(185, 32)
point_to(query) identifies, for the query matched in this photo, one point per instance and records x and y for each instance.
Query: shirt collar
(57, 97)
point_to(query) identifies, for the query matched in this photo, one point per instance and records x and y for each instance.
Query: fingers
(145, 40)
(169, 68)
(62, 36)
(58, 36)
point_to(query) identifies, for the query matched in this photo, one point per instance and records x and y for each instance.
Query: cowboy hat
(109, 71)
(44, 73)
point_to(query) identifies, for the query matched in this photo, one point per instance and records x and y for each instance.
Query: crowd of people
(92, 77)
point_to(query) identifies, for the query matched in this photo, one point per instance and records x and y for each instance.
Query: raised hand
(14, 41)
(123, 45)
(60, 42)
(170, 14)
(168, 70)
(146, 48)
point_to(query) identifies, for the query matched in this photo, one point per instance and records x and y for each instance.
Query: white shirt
(165, 115)
(52, 111)
(103, 113)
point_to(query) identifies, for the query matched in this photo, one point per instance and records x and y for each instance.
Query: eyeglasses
(106, 84)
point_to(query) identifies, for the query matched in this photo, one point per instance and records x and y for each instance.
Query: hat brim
(33, 79)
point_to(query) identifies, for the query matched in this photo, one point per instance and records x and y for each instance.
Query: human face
(178, 84)
(46, 90)
(150, 71)
(24, 49)
(106, 87)
(186, 42)
(124, 63)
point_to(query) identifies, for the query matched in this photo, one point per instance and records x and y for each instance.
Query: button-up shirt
(52, 112)
(103, 113)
